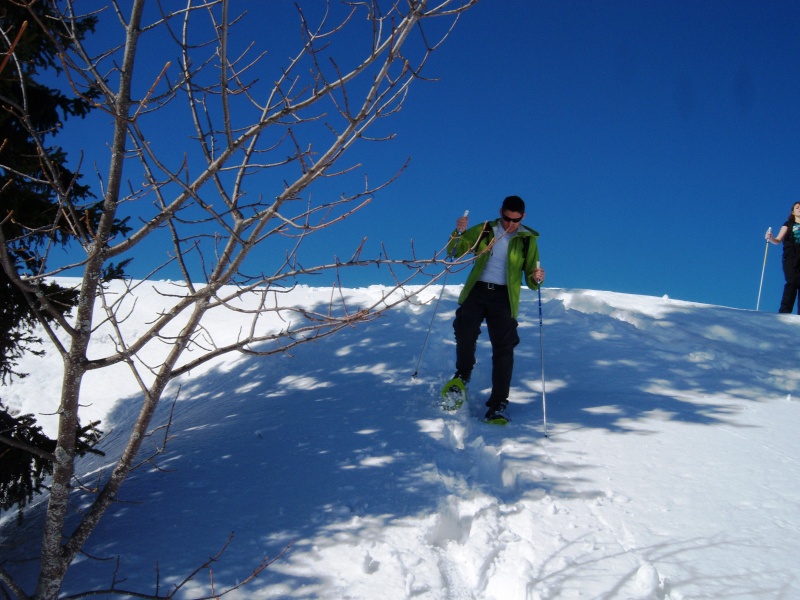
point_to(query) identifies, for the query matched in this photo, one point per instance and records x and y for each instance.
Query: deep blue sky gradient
(654, 142)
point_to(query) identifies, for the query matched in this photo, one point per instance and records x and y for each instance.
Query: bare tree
(239, 122)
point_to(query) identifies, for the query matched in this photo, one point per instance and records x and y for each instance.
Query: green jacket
(477, 240)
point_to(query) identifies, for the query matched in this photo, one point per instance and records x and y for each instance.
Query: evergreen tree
(28, 196)
(23, 195)
(25, 457)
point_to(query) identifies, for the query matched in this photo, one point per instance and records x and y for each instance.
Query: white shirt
(495, 269)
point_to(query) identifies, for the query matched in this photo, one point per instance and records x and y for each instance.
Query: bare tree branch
(232, 209)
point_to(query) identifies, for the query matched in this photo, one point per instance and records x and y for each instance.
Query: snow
(671, 470)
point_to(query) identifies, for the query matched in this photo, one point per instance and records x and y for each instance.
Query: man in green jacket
(504, 250)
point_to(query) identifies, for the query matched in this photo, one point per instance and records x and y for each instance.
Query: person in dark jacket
(505, 251)
(789, 235)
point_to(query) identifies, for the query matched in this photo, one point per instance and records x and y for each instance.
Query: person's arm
(534, 274)
(455, 237)
(776, 239)
(462, 240)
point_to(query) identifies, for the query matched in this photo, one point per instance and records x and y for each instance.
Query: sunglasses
(509, 219)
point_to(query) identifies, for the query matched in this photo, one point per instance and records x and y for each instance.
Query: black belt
(491, 286)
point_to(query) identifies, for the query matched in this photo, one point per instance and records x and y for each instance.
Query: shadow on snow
(338, 442)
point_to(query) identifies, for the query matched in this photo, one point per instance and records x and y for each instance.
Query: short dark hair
(514, 204)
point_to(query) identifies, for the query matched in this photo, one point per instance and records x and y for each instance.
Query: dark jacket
(791, 248)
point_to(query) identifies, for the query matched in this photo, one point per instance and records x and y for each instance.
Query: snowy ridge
(671, 470)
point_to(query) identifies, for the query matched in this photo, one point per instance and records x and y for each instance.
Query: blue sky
(653, 142)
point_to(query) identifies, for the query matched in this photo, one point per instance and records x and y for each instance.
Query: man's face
(508, 218)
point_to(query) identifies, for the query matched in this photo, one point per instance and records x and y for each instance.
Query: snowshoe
(454, 394)
(497, 417)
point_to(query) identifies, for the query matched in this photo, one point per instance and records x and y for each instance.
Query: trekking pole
(541, 353)
(439, 299)
(764, 266)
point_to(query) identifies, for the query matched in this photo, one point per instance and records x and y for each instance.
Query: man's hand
(538, 274)
(461, 223)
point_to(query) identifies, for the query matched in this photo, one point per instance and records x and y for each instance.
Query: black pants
(491, 305)
(791, 291)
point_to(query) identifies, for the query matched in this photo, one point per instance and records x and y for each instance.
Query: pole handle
(763, 268)
(466, 214)
(458, 235)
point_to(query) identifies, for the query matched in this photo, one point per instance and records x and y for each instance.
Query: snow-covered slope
(670, 471)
